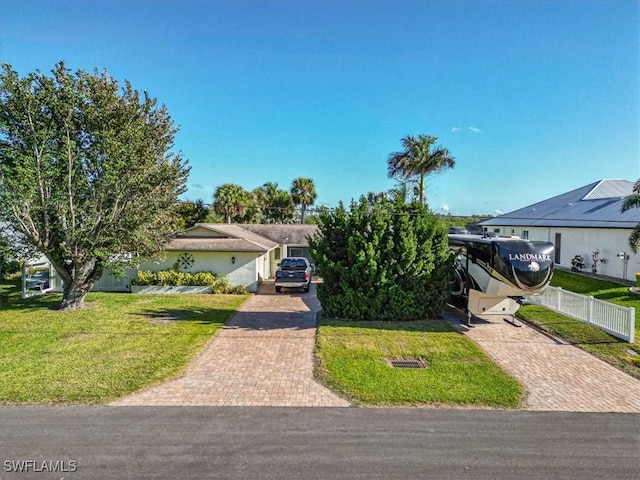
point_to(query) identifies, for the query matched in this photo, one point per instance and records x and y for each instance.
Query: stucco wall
(243, 272)
(583, 241)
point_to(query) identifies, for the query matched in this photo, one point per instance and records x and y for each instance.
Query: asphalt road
(314, 443)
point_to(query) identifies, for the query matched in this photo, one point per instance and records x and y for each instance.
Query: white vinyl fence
(613, 319)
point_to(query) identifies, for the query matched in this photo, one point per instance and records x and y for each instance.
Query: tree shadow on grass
(203, 316)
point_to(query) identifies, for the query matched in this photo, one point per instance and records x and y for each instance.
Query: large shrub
(386, 261)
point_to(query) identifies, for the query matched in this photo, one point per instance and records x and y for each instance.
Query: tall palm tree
(303, 193)
(419, 159)
(231, 201)
(633, 201)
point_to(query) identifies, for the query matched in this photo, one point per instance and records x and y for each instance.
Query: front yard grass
(121, 343)
(587, 337)
(352, 361)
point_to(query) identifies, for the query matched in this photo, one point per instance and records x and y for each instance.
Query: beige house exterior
(246, 253)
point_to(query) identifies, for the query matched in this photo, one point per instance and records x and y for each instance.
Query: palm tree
(281, 208)
(303, 193)
(633, 201)
(419, 159)
(262, 197)
(231, 201)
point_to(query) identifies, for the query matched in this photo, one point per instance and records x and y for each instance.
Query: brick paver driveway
(557, 376)
(262, 357)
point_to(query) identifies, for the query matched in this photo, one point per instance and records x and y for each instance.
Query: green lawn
(121, 343)
(591, 339)
(352, 361)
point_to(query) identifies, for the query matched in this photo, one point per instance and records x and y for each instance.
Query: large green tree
(87, 173)
(633, 201)
(382, 261)
(303, 193)
(232, 202)
(419, 158)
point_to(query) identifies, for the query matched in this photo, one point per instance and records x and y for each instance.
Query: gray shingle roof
(213, 245)
(283, 234)
(223, 238)
(596, 205)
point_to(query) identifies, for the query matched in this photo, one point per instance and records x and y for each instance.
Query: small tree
(86, 172)
(382, 261)
(189, 213)
(633, 201)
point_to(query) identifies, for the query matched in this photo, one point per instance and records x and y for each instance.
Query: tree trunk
(76, 286)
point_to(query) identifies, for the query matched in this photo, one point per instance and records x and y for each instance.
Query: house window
(496, 230)
(525, 234)
(276, 254)
(513, 231)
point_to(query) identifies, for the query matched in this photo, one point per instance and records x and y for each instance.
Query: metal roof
(596, 205)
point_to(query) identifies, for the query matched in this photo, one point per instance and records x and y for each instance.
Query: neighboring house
(245, 253)
(580, 222)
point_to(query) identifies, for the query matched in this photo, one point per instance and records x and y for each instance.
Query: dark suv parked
(293, 272)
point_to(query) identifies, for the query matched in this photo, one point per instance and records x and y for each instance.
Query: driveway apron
(556, 376)
(262, 357)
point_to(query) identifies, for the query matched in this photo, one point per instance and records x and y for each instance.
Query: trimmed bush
(638, 279)
(173, 278)
(386, 261)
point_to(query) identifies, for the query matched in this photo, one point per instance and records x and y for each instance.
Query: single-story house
(245, 253)
(580, 222)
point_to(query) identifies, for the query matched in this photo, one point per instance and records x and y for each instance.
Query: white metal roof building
(581, 222)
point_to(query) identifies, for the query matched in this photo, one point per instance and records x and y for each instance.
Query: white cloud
(498, 212)
(444, 207)
(470, 129)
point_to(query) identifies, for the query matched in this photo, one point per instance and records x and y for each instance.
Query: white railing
(613, 319)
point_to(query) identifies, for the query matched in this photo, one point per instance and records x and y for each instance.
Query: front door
(558, 246)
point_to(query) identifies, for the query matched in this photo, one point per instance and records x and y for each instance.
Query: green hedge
(638, 279)
(173, 278)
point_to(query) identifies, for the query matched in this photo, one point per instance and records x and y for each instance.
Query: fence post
(632, 324)
(590, 310)
(559, 300)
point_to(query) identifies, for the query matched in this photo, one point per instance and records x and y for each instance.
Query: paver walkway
(262, 357)
(557, 376)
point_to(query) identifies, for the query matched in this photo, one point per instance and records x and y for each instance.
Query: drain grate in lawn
(406, 363)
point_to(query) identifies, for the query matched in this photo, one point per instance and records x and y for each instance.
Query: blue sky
(533, 99)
